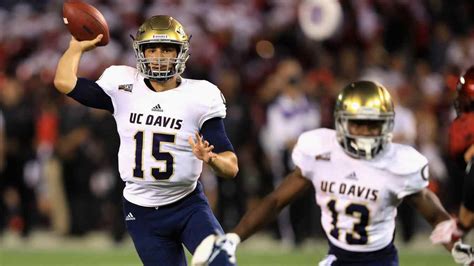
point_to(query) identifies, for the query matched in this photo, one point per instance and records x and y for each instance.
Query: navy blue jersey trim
(90, 94)
(213, 131)
(148, 85)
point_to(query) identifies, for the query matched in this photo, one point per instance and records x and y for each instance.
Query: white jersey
(358, 198)
(155, 159)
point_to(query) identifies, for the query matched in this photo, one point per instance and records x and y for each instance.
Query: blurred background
(58, 159)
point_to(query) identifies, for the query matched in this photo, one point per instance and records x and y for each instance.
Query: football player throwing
(168, 126)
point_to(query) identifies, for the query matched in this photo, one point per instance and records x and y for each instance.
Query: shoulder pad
(202, 88)
(403, 160)
(121, 69)
(316, 142)
(201, 84)
(118, 74)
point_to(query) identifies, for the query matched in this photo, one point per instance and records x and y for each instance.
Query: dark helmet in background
(464, 101)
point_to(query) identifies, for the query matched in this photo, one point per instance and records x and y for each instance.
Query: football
(85, 22)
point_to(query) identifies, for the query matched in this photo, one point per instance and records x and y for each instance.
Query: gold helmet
(364, 100)
(161, 29)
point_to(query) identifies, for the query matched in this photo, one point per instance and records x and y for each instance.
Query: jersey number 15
(158, 139)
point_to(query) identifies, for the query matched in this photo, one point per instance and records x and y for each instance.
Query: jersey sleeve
(309, 145)
(301, 158)
(90, 94)
(215, 104)
(108, 80)
(413, 183)
(409, 169)
(213, 130)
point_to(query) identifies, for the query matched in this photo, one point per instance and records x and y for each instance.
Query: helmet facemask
(362, 146)
(165, 67)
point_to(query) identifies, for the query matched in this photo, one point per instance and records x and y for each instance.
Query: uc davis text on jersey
(349, 190)
(155, 120)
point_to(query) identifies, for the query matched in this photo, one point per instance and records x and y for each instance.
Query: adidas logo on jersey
(130, 217)
(351, 176)
(157, 108)
(126, 87)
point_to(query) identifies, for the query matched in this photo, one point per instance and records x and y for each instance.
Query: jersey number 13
(358, 236)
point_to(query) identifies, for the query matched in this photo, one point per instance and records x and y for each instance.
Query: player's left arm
(429, 206)
(224, 164)
(214, 148)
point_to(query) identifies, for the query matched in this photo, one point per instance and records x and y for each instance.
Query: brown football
(85, 22)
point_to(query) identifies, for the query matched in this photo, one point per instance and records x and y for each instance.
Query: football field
(123, 257)
(257, 251)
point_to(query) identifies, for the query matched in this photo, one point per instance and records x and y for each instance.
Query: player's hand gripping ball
(85, 22)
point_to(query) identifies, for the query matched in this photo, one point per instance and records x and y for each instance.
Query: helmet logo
(160, 36)
(180, 31)
(368, 110)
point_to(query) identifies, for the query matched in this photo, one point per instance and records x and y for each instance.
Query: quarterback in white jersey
(168, 126)
(359, 177)
(155, 158)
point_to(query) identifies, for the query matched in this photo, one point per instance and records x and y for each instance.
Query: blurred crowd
(58, 164)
